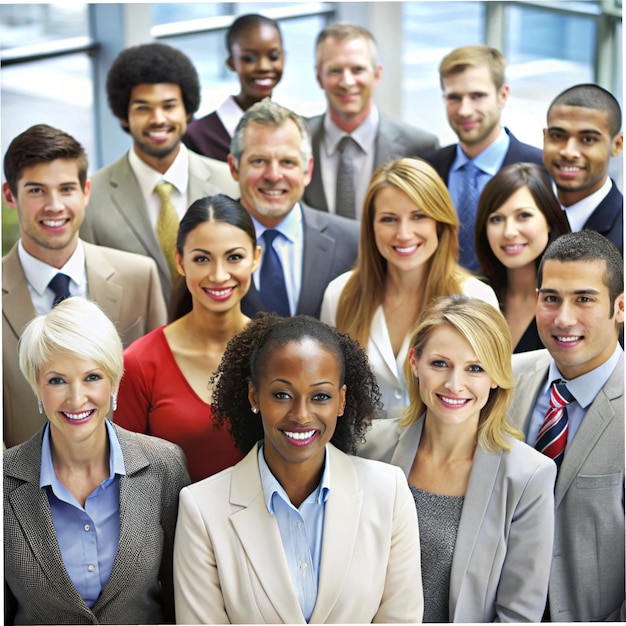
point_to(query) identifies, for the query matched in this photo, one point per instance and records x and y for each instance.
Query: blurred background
(54, 59)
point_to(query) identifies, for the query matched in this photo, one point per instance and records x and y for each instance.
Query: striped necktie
(552, 436)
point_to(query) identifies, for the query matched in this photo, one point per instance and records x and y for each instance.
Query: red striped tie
(552, 436)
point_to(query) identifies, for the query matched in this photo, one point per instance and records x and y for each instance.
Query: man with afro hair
(137, 202)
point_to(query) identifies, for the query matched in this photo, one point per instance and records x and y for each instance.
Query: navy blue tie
(60, 285)
(273, 289)
(466, 210)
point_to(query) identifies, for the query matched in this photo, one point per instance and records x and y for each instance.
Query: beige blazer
(230, 567)
(503, 547)
(587, 576)
(125, 285)
(117, 216)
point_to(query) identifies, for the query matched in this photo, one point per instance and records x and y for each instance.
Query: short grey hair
(268, 113)
(78, 328)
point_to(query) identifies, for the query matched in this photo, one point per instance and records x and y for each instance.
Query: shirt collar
(47, 477)
(230, 113)
(579, 212)
(38, 274)
(148, 177)
(490, 159)
(586, 387)
(271, 486)
(290, 227)
(364, 135)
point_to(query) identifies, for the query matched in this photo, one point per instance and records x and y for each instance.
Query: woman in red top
(164, 390)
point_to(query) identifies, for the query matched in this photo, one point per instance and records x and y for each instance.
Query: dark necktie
(552, 436)
(344, 198)
(466, 209)
(60, 285)
(273, 289)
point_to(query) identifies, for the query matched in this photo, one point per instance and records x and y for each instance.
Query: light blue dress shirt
(290, 249)
(489, 162)
(88, 537)
(301, 531)
(584, 388)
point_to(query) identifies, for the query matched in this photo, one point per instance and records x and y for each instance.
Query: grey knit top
(438, 518)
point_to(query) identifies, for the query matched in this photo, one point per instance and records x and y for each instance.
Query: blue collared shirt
(290, 250)
(489, 162)
(584, 388)
(88, 537)
(301, 531)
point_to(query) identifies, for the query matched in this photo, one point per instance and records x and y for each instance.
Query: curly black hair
(247, 351)
(150, 64)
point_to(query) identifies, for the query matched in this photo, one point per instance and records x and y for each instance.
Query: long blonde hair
(487, 332)
(365, 289)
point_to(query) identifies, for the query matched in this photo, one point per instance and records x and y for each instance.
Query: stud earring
(255, 410)
(40, 406)
(114, 401)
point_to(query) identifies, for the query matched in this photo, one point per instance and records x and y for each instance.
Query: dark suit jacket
(330, 247)
(127, 288)
(518, 152)
(588, 562)
(608, 218)
(117, 216)
(394, 140)
(208, 136)
(38, 589)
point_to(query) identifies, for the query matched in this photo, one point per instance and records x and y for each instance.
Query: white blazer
(501, 561)
(387, 367)
(230, 565)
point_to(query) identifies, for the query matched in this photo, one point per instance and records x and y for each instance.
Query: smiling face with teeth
(157, 120)
(405, 236)
(50, 204)
(577, 147)
(576, 320)
(76, 396)
(299, 397)
(453, 385)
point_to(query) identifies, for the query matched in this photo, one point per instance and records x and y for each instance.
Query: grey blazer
(330, 247)
(501, 560)
(117, 216)
(587, 576)
(127, 288)
(38, 589)
(394, 140)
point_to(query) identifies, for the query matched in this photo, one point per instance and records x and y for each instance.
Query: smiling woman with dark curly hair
(290, 533)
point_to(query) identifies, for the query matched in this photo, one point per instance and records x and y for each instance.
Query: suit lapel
(101, 285)
(526, 392)
(266, 556)
(597, 418)
(17, 306)
(341, 519)
(131, 207)
(386, 146)
(315, 188)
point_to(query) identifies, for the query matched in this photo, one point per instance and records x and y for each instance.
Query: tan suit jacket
(127, 288)
(230, 566)
(588, 560)
(117, 216)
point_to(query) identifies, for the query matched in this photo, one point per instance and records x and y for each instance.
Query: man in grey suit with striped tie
(580, 311)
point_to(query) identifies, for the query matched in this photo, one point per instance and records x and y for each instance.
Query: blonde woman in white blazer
(484, 499)
(408, 256)
(297, 395)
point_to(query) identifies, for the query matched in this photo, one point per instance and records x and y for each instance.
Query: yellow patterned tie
(167, 224)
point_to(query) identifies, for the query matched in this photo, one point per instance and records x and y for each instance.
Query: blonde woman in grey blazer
(89, 508)
(484, 498)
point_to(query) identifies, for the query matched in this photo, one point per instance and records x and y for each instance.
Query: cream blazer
(387, 367)
(230, 566)
(503, 550)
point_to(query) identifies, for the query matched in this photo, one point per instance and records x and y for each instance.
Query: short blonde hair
(344, 31)
(78, 328)
(474, 56)
(486, 330)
